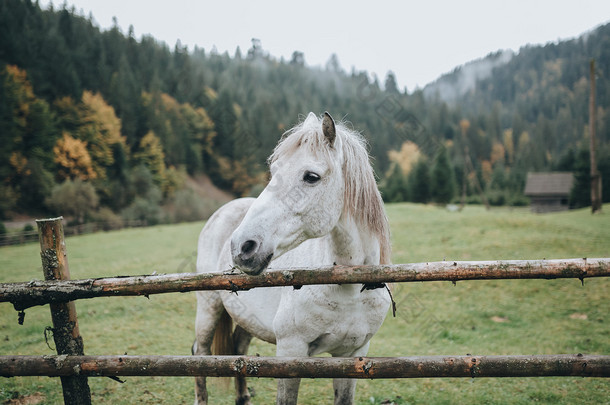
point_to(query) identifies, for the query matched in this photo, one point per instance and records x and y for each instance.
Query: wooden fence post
(65, 325)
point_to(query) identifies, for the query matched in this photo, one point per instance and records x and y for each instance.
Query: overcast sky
(419, 41)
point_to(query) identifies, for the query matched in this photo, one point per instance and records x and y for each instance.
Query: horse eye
(311, 177)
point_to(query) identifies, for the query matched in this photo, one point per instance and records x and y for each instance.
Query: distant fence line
(22, 237)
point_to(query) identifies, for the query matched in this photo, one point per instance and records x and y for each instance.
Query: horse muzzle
(249, 256)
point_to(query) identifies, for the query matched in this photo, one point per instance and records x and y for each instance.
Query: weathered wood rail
(308, 367)
(35, 292)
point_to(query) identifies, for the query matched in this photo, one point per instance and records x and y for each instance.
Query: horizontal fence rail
(309, 367)
(32, 293)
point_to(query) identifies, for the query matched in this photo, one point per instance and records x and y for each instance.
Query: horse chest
(331, 320)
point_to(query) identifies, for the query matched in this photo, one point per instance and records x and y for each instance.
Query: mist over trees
(89, 111)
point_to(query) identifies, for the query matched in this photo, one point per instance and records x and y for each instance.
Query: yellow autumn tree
(464, 126)
(169, 103)
(486, 170)
(509, 145)
(405, 158)
(524, 141)
(497, 153)
(237, 174)
(150, 154)
(204, 128)
(101, 129)
(210, 93)
(23, 92)
(73, 159)
(68, 113)
(199, 125)
(19, 163)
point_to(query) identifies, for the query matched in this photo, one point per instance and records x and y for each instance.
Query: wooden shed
(549, 192)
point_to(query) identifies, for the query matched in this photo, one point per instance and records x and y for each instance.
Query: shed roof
(550, 183)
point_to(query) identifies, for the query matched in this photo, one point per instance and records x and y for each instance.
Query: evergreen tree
(224, 118)
(443, 186)
(333, 65)
(390, 84)
(35, 187)
(419, 182)
(580, 195)
(125, 92)
(395, 189)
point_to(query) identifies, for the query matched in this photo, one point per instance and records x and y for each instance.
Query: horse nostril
(248, 247)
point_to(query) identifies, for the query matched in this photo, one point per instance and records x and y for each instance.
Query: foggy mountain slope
(452, 86)
(514, 78)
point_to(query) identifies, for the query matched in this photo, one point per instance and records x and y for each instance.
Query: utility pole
(596, 181)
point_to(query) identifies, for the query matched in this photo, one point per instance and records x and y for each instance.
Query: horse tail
(222, 344)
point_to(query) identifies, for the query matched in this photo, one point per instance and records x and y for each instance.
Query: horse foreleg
(288, 388)
(345, 390)
(287, 391)
(241, 341)
(209, 308)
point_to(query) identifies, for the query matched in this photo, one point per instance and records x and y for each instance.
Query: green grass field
(477, 317)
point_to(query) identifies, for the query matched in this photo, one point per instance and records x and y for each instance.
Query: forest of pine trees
(97, 125)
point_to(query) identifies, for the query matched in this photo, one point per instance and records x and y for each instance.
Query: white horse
(321, 207)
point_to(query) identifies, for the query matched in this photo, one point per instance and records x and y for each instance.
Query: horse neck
(354, 244)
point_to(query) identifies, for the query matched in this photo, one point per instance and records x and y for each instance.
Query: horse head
(304, 198)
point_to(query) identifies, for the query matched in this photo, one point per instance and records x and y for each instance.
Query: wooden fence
(73, 367)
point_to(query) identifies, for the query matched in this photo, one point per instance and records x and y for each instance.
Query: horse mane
(362, 200)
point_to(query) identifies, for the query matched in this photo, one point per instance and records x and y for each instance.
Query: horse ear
(328, 128)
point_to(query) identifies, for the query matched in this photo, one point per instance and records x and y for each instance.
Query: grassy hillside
(479, 317)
